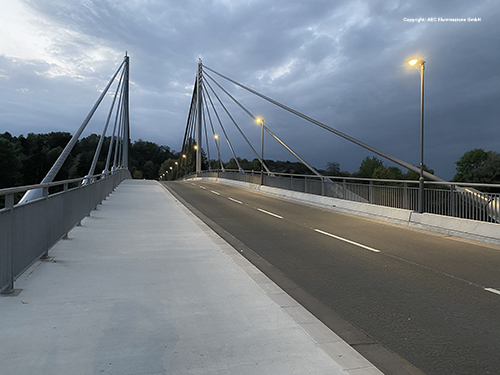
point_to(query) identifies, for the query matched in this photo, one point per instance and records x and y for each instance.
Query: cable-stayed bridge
(132, 282)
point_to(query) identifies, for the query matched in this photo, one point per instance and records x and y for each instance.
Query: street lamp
(415, 62)
(217, 142)
(259, 120)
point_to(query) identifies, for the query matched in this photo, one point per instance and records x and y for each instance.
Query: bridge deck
(144, 287)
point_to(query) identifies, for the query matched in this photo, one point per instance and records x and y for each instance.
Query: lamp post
(217, 141)
(196, 153)
(261, 121)
(414, 62)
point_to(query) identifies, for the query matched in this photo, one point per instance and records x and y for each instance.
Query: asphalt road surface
(432, 299)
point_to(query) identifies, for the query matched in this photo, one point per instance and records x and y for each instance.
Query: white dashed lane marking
(348, 241)
(270, 213)
(492, 290)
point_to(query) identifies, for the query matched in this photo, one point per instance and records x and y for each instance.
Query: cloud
(340, 62)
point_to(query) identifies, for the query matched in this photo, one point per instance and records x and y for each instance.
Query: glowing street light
(421, 63)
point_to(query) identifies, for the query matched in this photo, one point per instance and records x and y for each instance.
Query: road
(431, 299)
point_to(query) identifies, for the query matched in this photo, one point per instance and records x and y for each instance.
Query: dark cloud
(342, 63)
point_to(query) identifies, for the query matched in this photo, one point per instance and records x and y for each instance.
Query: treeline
(476, 166)
(25, 160)
(370, 167)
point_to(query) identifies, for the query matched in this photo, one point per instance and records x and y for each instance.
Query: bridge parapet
(461, 200)
(30, 229)
(451, 208)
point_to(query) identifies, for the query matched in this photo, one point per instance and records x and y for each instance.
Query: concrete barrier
(463, 228)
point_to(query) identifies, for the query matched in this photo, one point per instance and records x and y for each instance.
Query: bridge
(234, 271)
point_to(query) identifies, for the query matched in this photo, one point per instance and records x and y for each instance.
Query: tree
(368, 167)
(469, 161)
(147, 158)
(333, 169)
(387, 173)
(170, 167)
(10, 164)
(26, 160)
(487, 172)
(412, 175)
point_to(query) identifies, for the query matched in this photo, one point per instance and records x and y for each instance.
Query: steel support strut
(198, 117)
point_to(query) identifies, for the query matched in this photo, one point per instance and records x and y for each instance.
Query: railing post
(370, 193)
(453, 211)
(405, 196)
(9, 201)
(45, 255)
(344, 189)
(305, 184)
(9, 205)
(322, 186)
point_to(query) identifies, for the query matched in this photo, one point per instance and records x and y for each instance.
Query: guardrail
(441, 198)
(30, 229)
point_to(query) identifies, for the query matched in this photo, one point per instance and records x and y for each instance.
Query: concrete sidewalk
(144, 287)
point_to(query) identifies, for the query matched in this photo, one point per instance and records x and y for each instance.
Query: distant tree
(489, 172)
(26, 160)
(256, 165)
(387, 173)
(147, 157)
(486, 171)
(333, 169)
(81, 165)
(368, 167)
(245, 164)
(412, 175)
(40, 151)
(172, 169)
(10, 163)
(231, 164)
(470, 161)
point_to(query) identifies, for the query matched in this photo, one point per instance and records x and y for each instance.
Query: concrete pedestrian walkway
(144, 287)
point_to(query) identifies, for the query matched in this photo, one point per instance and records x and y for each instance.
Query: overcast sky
(340, 62)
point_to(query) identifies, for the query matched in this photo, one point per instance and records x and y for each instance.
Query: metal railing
(29, 230)
(442, 198)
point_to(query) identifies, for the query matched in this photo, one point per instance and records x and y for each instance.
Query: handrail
(341, 178)
(449, 198)
(20, 189)
(30, 230)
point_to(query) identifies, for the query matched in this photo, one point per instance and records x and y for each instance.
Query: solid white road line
(492, 290)
(234, 200)
(215, 192)
(348, 241)
(270, 213)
